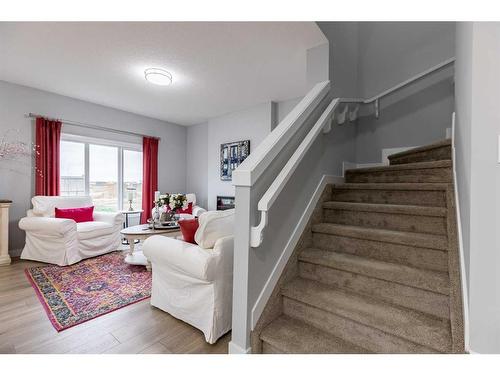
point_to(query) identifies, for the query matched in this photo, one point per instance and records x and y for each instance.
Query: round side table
(127, 213)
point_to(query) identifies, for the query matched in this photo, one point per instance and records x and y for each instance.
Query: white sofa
(63, 241)
(194, 283)
(197, 210)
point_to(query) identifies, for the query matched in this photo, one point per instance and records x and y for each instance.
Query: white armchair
(63, 241)
(193, 282)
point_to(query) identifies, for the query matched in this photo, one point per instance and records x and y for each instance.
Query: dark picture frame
(232, 154)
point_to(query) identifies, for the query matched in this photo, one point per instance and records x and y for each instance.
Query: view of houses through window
(109, 173)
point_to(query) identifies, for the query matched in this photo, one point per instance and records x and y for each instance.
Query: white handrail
(375, 99)
(256, 163)
(322, 125)
(279, 183)
(410, 80)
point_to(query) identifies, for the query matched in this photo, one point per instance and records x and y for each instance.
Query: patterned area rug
(93, 287)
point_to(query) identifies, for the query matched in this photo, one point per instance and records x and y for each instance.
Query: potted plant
(169, 204)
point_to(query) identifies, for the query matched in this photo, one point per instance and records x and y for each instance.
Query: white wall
(16, 181)
(478, 127)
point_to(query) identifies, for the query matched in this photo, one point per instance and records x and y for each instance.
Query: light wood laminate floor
(138, 328)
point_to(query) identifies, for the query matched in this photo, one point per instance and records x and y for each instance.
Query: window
(72, 168)
(103, 177)
(132, 178)
(109, 172)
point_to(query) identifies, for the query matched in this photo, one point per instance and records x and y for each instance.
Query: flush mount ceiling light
(158, 76)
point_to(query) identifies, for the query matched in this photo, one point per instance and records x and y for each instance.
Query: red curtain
(48, 139)
(149, 175)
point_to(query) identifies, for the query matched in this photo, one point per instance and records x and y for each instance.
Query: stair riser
(434, 260)
(436, 198)
(397, 294)
(413, 176)
(441, 153)
(359, 334)
(391, 221)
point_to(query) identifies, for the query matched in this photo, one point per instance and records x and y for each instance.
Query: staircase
(381, 272)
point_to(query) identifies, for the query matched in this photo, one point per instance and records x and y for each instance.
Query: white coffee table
(141, 232)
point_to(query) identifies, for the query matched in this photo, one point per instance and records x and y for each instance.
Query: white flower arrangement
(172, 202)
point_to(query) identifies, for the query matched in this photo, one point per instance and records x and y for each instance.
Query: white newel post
(240, 336)
(4, 232)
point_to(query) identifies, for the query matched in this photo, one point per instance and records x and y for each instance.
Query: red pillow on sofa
(188, 210)
(78, 214)
(188, 229)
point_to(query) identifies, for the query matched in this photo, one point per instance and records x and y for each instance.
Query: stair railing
(275, 142)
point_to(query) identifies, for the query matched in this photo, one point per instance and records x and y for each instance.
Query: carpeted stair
(380, 273)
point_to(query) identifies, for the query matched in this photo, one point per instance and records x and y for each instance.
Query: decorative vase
(167, 216)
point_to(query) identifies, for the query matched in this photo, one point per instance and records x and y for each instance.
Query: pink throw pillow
(78, 214)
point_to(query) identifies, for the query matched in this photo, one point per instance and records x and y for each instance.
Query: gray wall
(369, 57)
(254, 123)
(197, 162)
(478, 127)
(203, 147)
(389, 53)
(16, 182)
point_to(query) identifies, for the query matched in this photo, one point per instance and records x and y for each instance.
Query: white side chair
(63, 241)
(192, 282)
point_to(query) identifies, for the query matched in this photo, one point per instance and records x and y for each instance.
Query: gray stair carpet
(380, 273)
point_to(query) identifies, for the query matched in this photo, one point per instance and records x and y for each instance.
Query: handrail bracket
(256, 234)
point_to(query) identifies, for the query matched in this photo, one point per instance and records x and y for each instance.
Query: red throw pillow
(188, 229)
(188, 210)
(78, 214)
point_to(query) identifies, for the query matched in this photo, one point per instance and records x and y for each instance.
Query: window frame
(121, 147)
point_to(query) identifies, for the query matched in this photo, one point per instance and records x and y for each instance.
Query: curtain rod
(90, 126)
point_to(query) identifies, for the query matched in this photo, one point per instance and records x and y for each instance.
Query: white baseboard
(236, 349)
(266, 292)
(465, 298)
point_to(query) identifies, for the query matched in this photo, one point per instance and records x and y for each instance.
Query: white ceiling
(217, 67)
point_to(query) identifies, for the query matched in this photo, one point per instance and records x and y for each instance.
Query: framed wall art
(231, 155)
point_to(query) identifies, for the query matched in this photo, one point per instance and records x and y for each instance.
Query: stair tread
(442, 143)
(402, 167)
(387, 208)
(432, 186)
(405, 323)
(290, 335)
(433, 281)
(432, 241)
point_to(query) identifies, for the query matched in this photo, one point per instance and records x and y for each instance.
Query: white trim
(465, 298)
(100, 141)
(410, 80)
(268, 288)
(269, 197)
(236, 349)
(256, 163)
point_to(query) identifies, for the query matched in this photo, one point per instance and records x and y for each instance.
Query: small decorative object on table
(130, 197)
(168, 205)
